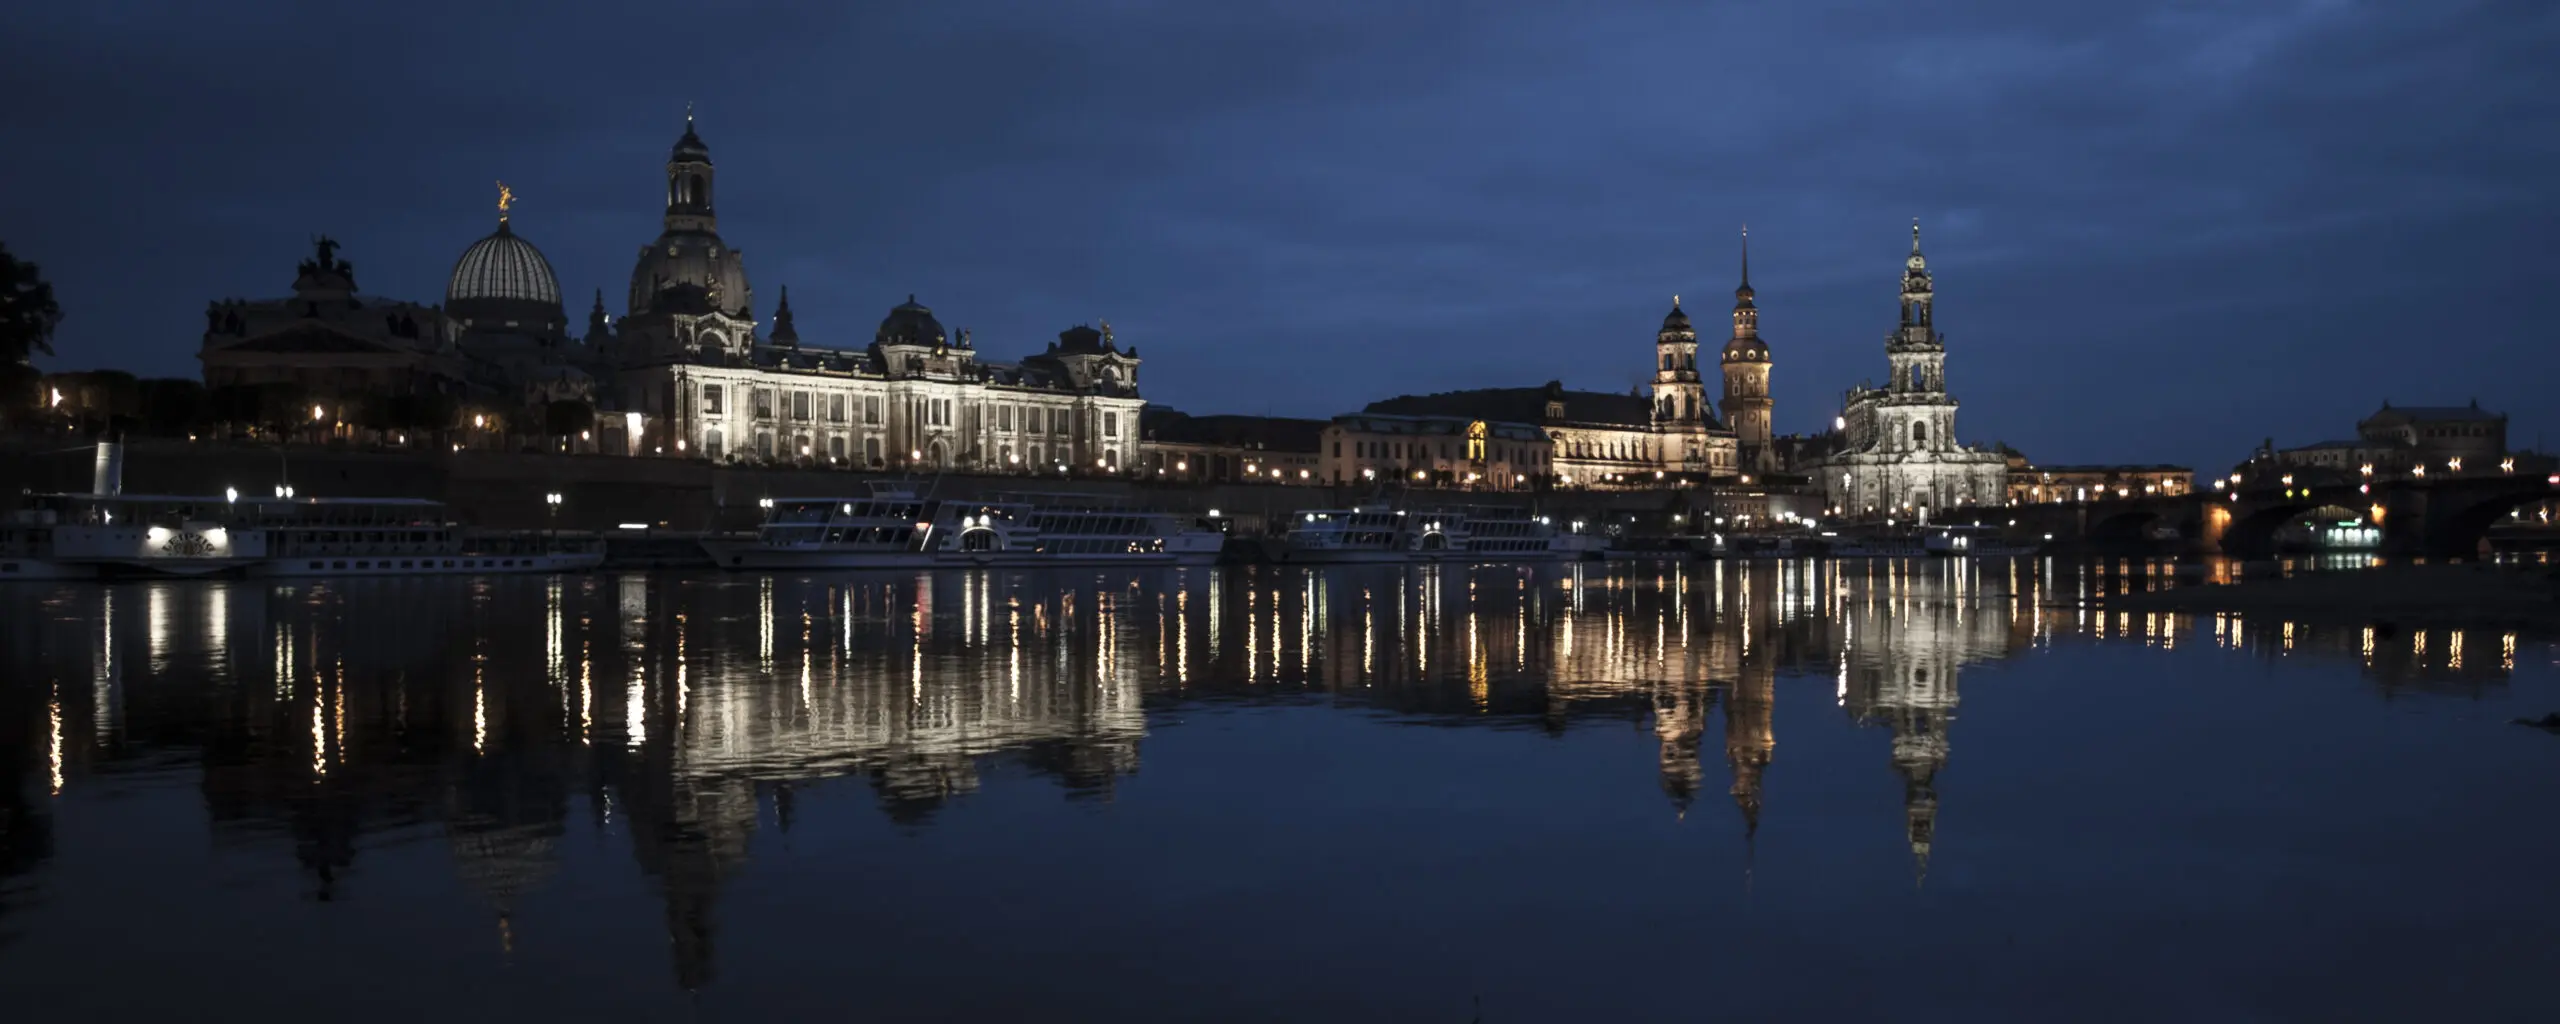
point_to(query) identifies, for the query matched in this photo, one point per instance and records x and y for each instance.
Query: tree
(105, 401)
(566, 417)
(235, 405)
(21, 391)
(174, 406)
(27, 310)
(283, 407)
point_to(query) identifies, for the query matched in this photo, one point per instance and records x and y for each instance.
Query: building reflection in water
(687, 710)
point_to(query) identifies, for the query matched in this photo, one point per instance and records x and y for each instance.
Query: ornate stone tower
(689, 269)
(1917, 351)
(1746, 374)
(689, 183)
(1677, 401)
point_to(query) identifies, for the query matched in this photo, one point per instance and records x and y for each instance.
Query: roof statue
(506, 199)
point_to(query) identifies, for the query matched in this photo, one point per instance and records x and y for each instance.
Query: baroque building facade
(1898, 455)
(1554, 436)
(688, 370)
(688, 362)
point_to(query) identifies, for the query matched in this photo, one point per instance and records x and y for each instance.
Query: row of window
(427, 563)
(1395, 450)
(939, 412)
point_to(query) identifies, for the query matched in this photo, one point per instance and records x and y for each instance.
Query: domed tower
(502, 284)
(1746, 374)
(688, 269)
(1678, 398)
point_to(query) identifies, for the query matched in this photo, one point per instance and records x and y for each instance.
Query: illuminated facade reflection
(689, 714)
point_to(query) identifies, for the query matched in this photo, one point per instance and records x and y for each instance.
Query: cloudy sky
(2162, 231)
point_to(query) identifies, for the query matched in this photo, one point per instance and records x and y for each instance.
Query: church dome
(690, 149)
(1676, 327)
(503, 266)
(689, 271)
(911, 324)
(503, 283)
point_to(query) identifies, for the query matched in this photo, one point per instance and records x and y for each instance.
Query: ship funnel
(108, 479)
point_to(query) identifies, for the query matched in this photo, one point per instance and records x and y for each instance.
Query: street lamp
(552, 502)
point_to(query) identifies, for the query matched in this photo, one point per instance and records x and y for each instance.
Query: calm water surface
(1783, 791)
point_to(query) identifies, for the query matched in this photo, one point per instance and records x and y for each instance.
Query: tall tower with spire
(1747, 407)
(1917, 351)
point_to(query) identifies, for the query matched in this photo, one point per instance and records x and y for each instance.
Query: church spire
(783, 332)
(1746, 261)
(1746, 313)
(1917, 290)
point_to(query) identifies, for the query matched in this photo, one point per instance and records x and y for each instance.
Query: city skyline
(2070, 294)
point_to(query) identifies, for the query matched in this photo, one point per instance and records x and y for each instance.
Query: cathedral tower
(1677, 397)
(1746, 374)
(689, 269)
(1917, 351)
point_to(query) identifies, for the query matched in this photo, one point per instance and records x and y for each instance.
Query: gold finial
(506, 199)
(1675, 300)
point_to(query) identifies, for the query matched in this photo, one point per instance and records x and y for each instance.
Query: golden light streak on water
(53, 746)
(319, 745)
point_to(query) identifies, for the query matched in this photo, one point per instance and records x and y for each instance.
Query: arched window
(1919, 432)
(695, 193)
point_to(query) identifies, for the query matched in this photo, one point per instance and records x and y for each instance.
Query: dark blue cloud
(2161, 231)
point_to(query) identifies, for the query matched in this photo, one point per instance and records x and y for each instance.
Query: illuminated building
(1746, 378)
(2397, 440)
(1898, 454)
(2032, 484)
(1263, 449)
(689, 360)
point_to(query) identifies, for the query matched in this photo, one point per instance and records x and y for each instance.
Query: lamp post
(551, 502)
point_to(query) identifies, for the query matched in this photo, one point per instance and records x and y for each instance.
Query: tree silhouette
(27, 310)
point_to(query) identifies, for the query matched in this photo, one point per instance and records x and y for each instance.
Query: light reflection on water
(539, 729)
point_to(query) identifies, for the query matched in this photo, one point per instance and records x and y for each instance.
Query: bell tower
(689, 179)
(1747, 406)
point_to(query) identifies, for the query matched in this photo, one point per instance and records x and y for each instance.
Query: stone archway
(938, 453)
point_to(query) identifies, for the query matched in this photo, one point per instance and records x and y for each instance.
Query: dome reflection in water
(1000, 792)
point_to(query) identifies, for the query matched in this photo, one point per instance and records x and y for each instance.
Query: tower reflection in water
(683, 711)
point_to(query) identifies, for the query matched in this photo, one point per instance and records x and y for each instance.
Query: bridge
(2445, 514)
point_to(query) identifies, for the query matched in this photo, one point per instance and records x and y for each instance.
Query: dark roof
(1521, 405)
(309, 337)
(2427, 413)
(2144, 468)
(910, 324)
(1276, 433)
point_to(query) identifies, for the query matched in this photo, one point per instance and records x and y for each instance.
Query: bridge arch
(2457, 526)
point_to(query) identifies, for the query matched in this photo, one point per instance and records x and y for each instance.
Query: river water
(1926, 791)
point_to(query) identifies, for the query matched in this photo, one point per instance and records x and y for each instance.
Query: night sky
(2162, 231)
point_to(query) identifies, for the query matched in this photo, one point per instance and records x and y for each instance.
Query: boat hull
(426, 565)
